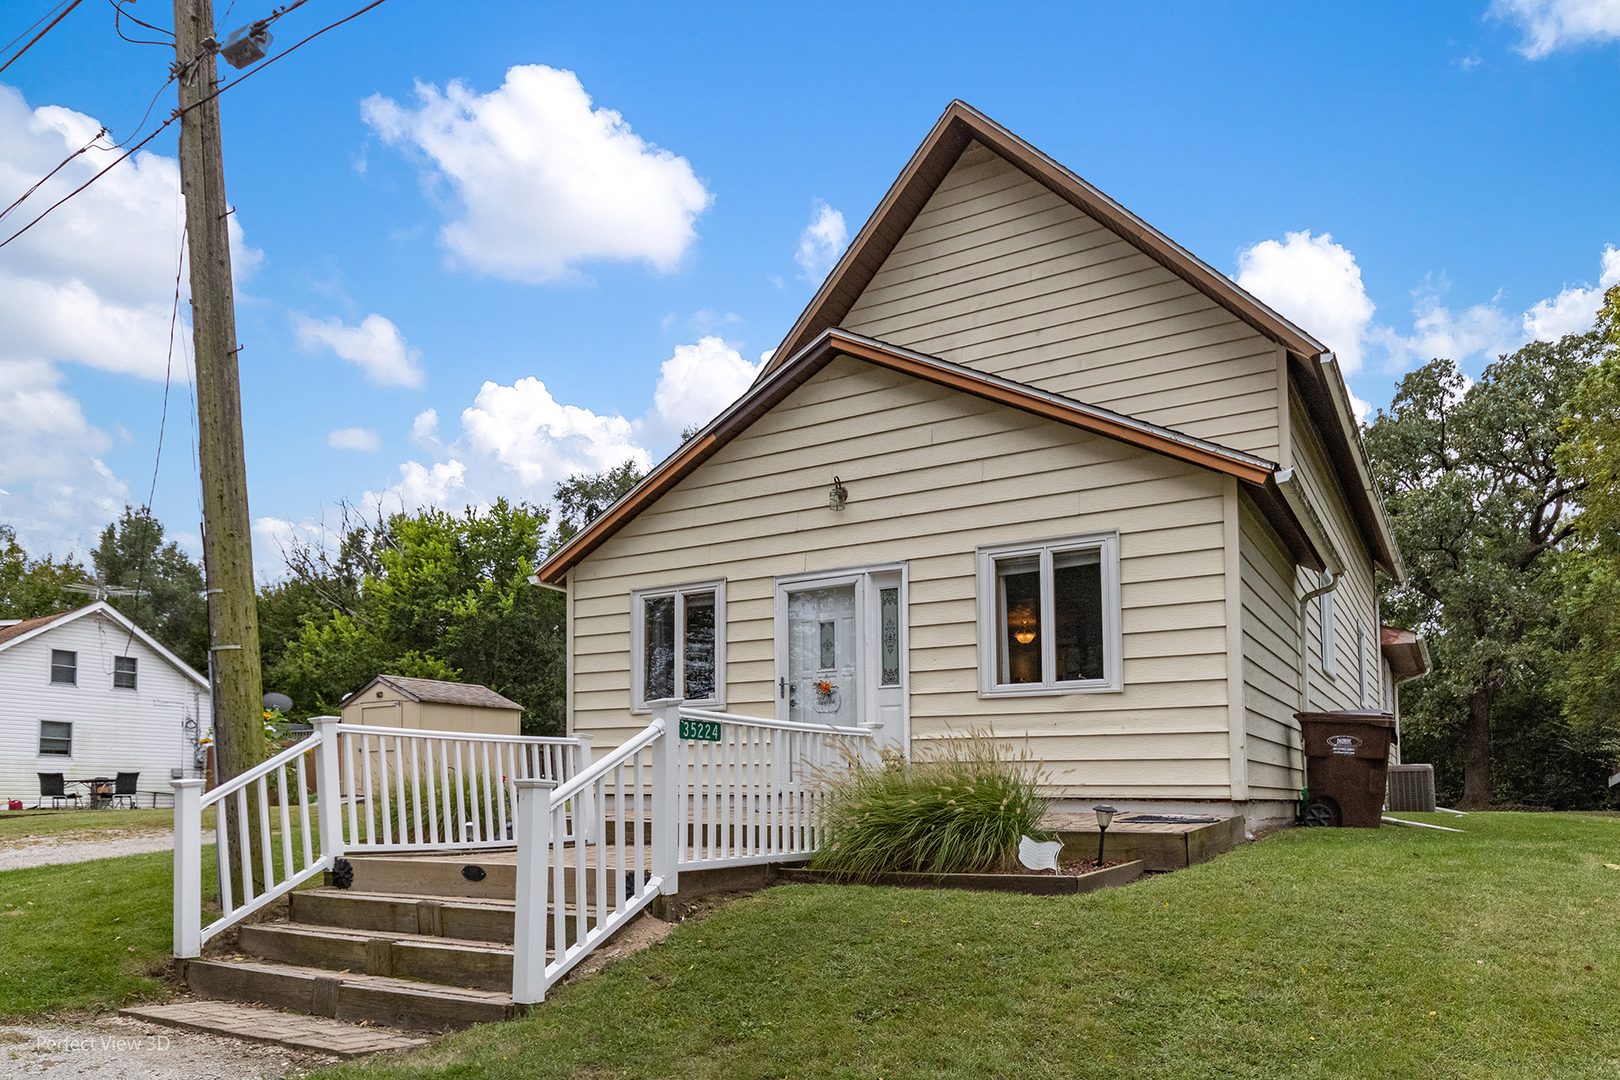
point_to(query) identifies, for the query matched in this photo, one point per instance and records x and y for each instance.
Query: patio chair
(53, 786)
(124, 788)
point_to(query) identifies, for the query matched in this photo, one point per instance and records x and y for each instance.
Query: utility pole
(227, 540)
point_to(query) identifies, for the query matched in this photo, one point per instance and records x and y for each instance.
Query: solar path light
(1105, 818)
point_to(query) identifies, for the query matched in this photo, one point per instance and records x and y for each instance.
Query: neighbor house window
(1049, 616)
(64, 667)
(56, 738)
(678, 644)
(124, 672)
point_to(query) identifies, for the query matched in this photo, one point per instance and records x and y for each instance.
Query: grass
(20, 825)
(87, 936)
(1316, 953)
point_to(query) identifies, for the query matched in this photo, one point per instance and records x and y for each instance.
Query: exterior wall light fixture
(837, 495)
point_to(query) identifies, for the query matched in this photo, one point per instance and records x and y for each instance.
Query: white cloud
(1574, 309)
(376, 346)
(54, 488)
(545, 181)
(425, 429)
(822, 241)
(354, 438)
(1316, 284)
(1482, 329)
(1550, 25)
(694, 385)
(92, 284)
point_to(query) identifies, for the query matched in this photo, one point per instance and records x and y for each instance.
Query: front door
(841, 651)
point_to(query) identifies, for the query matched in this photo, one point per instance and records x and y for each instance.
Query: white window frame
(134, 673)
(46, 754)
(638, 641)
(50, 670)
(1106, 544)
(1361, 664)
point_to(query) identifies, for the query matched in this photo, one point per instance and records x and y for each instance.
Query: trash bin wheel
(1322, 814)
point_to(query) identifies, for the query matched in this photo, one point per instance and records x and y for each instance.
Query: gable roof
(1253, 471)
(440, 692)
(32, 628)
(1315, 372)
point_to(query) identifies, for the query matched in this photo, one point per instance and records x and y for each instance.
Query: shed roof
(441, 692)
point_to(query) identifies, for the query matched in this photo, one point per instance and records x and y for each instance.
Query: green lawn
(91, 935)
(16, 826)
(1323, 953)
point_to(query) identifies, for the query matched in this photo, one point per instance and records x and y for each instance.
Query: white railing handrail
(859, 730)
(463, 736)
(263, 768)
(625, 750)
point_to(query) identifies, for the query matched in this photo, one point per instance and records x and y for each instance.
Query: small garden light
(1105, 818)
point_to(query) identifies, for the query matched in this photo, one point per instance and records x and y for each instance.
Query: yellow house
(432, 705)
(1024, 463)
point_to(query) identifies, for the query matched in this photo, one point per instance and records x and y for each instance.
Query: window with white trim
(56, 738)
(1049, 616)
(64, 667)
(124, 672)
(678, 644)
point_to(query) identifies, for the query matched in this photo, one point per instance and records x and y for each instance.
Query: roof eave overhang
(1255, 472)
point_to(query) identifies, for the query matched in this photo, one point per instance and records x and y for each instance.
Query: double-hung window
(678, 644)
(1049, 616)
(56, 738)
(124, 672)
(64, 667)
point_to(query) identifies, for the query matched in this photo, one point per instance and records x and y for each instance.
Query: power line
(53, 172)
(118, 6)
(30, 30)
(39, 35)
(178, 113)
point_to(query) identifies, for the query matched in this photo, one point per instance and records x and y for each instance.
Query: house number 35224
(701, 730)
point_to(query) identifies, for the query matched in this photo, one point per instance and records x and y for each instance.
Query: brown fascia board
(1253, 471)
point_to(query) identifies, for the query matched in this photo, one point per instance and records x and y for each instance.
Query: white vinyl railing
(694, 790)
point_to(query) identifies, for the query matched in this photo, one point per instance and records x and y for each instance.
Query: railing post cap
(326, 720)
(193, 783)
(527, 784)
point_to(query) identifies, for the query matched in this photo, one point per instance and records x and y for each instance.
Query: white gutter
(534, 579)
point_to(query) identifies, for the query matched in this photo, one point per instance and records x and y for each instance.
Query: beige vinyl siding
(1270, 661)
(933, 473)
(1355, 599)
(1000, 274)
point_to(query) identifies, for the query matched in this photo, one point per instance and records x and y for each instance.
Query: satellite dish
(278, 702)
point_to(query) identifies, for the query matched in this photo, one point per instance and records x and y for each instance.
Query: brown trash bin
(1346, 766)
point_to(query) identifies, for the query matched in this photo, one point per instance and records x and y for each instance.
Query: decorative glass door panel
(822, 654)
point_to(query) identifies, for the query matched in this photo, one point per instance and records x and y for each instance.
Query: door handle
(782, 687)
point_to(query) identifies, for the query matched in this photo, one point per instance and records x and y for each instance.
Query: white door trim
(868, 644)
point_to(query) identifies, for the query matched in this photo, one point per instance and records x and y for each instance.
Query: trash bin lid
(1370, 717)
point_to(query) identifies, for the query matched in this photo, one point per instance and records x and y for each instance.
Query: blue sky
(459, 279)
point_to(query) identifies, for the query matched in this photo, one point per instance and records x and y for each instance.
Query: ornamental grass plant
(959, 806)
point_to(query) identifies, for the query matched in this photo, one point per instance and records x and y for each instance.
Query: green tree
(32, 587)
(171, 607)
(1480, 510)
(1591, 672)
(582, 497)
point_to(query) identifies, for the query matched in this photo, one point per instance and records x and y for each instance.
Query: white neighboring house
(87, 693)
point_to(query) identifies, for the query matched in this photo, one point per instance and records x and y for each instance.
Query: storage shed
(432, 705)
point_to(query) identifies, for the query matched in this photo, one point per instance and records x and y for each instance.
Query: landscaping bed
(1075, 877)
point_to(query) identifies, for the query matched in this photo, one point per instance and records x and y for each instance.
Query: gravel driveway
(121, 1048)
(22, 852)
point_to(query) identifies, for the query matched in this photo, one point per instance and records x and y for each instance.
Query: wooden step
(484, 965)
(377, 999)
(429, 916)
(458, 876)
